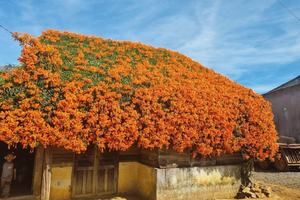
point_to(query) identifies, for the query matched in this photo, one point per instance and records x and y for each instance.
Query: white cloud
(235, 38)
(241, 43)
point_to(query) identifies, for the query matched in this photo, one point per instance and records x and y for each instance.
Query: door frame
(95, 169)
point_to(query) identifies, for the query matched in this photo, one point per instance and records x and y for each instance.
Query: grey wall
(286, 110)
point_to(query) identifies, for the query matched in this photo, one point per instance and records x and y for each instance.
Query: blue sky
(255, 43)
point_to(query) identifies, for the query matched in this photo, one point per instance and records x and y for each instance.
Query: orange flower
(74, 90)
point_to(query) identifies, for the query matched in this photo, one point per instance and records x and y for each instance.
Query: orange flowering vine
(72, 90)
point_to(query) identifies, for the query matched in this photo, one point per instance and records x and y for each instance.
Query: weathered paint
(187, 183)
(136, 178)
(198, 182)
(61, 183)
(127, 180)
(147, 181)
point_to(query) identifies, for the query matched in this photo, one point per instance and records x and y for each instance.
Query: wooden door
(94, 173)
(107, 173)
(83, 174)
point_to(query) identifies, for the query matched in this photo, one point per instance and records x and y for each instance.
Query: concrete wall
(286, 110)
(187, 183)
(198, 182)
(61, 183)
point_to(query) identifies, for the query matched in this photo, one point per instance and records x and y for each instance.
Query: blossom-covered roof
(73, 90)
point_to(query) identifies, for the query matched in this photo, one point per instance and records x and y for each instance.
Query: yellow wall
(61, 183)
(146, 181)
(133, 178)
(161, 184)
(127, 180)
(137, 178)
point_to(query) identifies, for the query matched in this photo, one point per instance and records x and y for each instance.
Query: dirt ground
(282, 192)
(285, 185)
(120, 197)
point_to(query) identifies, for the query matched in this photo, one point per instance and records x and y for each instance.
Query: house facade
(286, 108)
(81, 90)
(157, 174)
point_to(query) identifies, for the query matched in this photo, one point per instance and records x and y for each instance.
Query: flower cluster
(72, 90)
